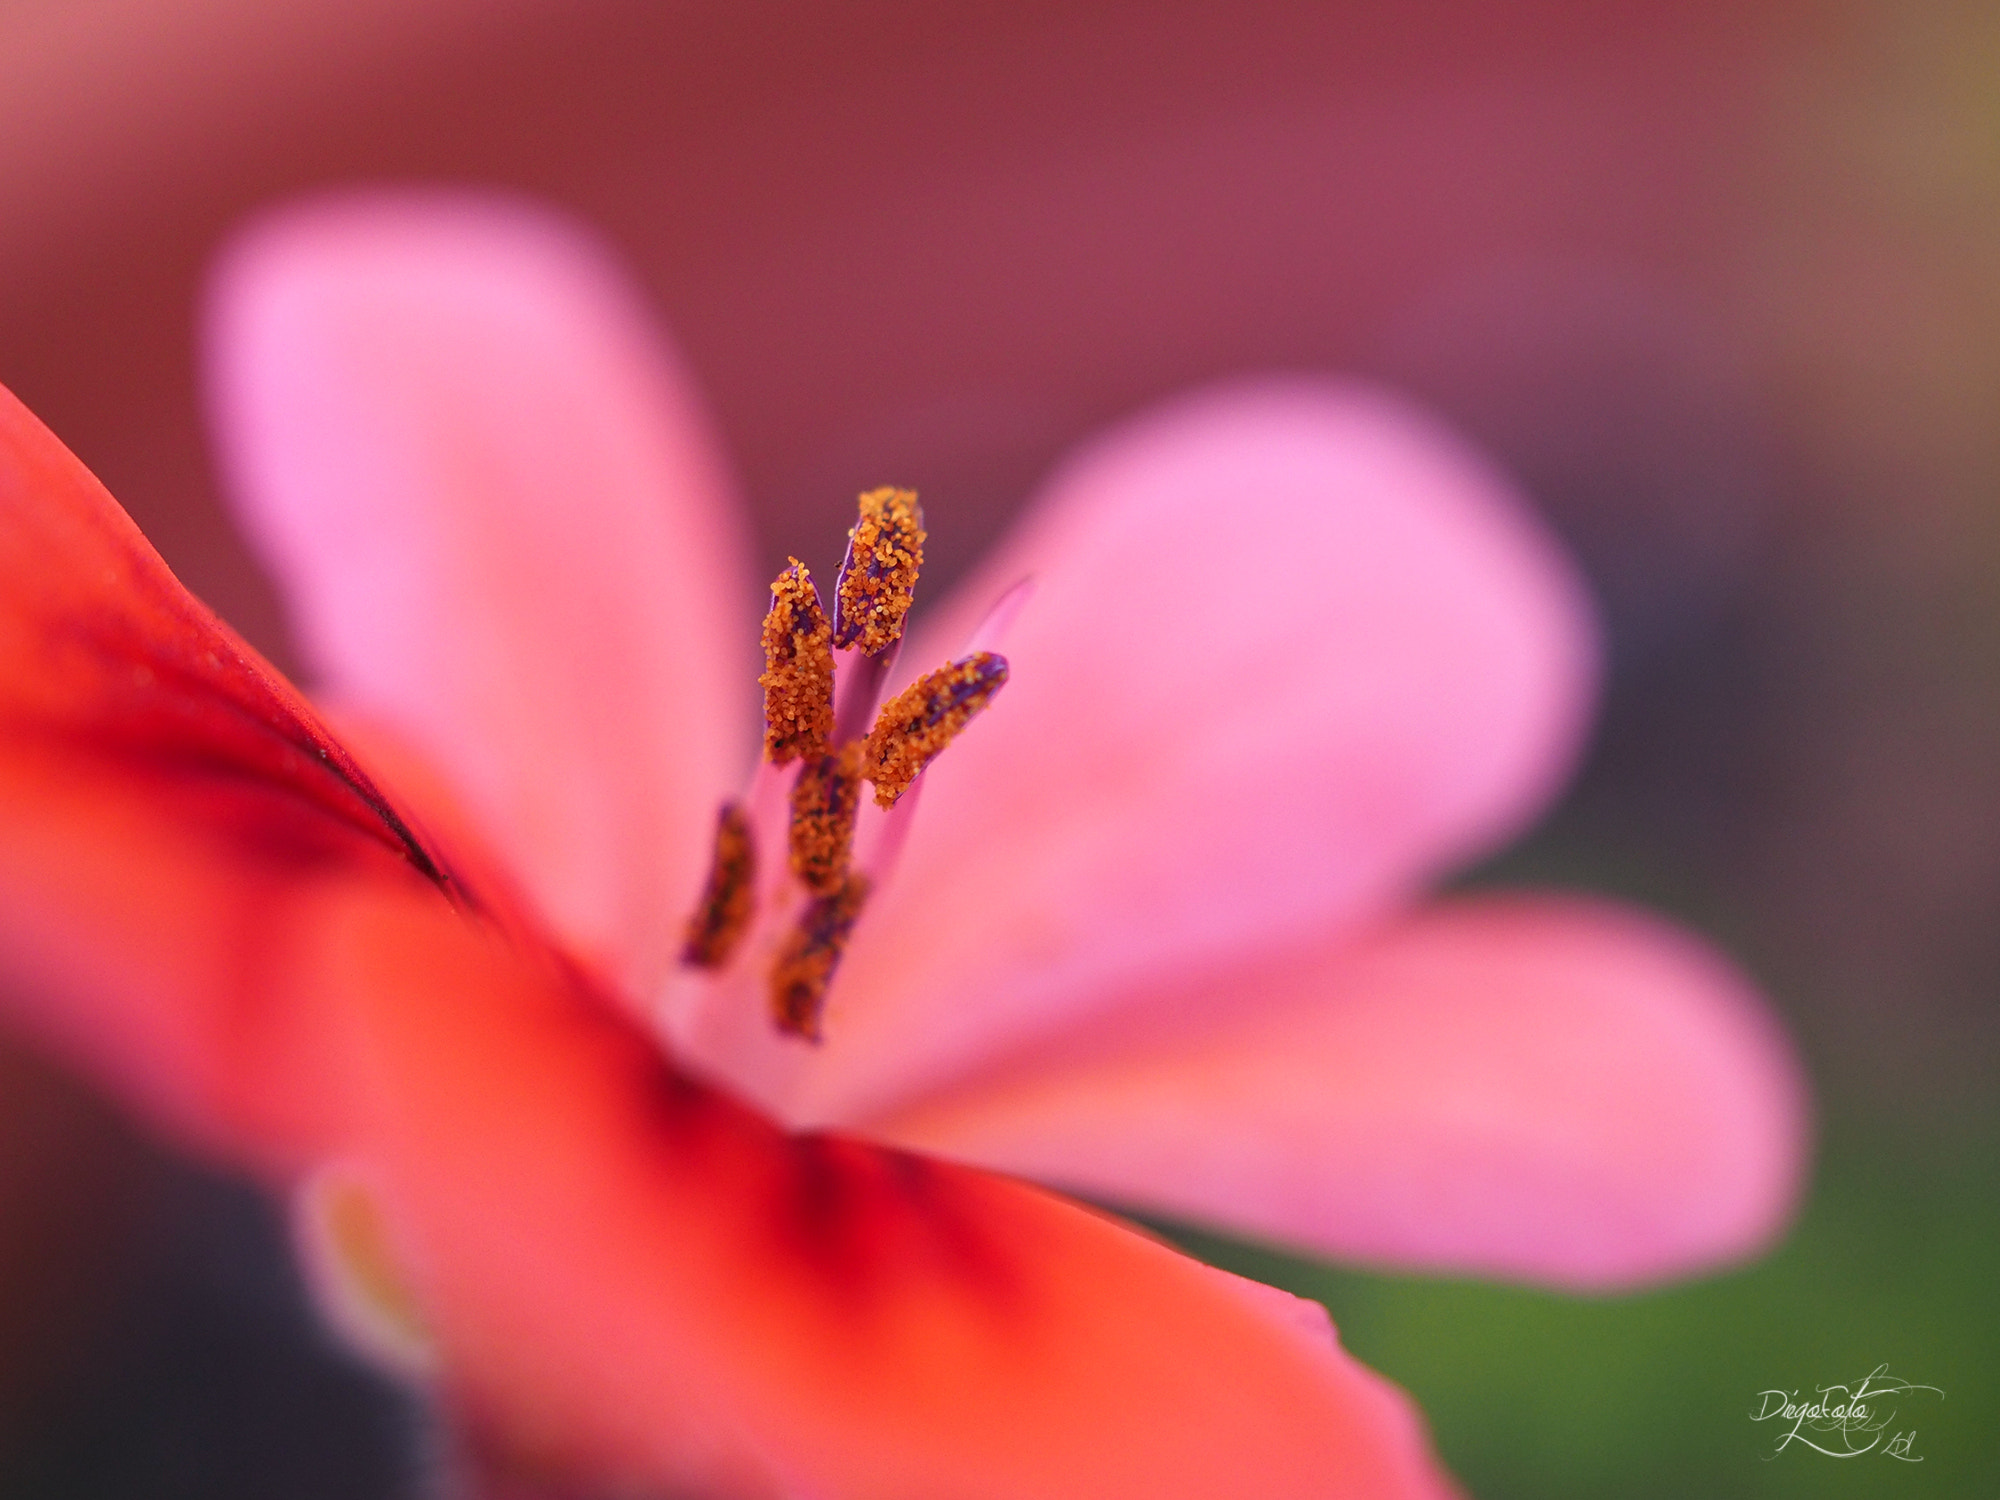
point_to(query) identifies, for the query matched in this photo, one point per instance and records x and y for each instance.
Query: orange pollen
(798, 670)
(802, 932)
(925, 717)
(724, 914)
(878, 578)
(812, 950)
(825, 799)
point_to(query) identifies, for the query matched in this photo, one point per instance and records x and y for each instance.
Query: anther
(825, 799)
(878, 576)
(812, 951)
(925, 717)
(798, 669)
(724, 914)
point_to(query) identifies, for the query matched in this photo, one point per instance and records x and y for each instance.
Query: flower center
(822, 686)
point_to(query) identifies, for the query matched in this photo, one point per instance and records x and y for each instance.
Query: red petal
(173, 809)
(634, 1280)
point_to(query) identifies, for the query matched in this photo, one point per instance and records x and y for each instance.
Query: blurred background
(1717, 281)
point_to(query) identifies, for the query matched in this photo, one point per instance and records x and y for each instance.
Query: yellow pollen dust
(884, 551)
(825, 799)
(724, 914)
(925, 717)
(798, 669)
(812, 950)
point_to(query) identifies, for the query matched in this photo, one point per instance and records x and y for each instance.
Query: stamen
(857, 692)
(798, 669)
(812, 951)
(833, 850)
(925, 717)
(878, 576)
(825, 799)
(719, 923)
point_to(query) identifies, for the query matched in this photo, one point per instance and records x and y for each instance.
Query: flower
(1290, 655)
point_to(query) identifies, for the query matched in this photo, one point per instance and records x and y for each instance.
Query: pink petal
(1292, 651)
(504, 528)
(1552, 1089)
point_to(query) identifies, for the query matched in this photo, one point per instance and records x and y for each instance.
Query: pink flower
(1291, 654)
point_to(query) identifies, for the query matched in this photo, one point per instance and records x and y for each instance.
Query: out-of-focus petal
(174, 814)
(632, 1279)
(1550, 1089)
(503, 525)
(1292, 651)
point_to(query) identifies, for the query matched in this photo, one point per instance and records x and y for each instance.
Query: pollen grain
(878, 578)
(723, 916)
(925, 717)
(805, 965)
(825, 799)
(798, 669)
